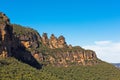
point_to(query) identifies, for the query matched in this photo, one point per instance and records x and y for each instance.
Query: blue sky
(82, 22)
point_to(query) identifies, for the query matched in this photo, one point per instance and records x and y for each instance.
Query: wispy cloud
(106, 50)
(102, 42)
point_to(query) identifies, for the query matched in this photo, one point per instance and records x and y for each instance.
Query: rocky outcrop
(67, 57)
(12, 46)
(57, 43)
(27, 36)
(45, 39)
(54, 51)
(61, 42)
(5, 36)
(25, 44)
(53, 42)
(4, 19)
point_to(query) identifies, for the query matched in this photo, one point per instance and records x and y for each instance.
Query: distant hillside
(116, 65)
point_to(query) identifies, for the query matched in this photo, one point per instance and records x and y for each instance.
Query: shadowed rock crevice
(22, 54)
(11, 46)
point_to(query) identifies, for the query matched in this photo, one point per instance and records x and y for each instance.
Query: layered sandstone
(27, 45)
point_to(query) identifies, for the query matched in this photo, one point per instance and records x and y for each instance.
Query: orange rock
(26, 44)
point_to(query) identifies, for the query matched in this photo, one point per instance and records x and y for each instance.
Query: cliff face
(26, 44)
(5, 36)
(53, 51)
(63, 57)
(12, 46)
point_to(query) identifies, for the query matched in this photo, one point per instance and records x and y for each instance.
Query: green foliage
(12, 69)
(15, 70)
(18, 29)
(102, 71)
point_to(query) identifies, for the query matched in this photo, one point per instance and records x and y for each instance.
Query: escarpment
(12, 46)
(52, 50)
(6, 36)
(27, 45)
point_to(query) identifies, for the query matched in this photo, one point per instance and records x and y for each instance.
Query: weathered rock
(5, 36)
(12, 46)
(70, 46)
(45, 39)
(4, 19)
(61, 42)
(30, 39)
(27, 45)
(53, 42)
(55, 51)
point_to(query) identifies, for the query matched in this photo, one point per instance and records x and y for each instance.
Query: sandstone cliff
(12, 46)
(5, 36)
(27, 45)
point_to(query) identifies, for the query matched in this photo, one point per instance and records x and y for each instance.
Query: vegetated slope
(12, 69)
(102, 71)
(53, 57)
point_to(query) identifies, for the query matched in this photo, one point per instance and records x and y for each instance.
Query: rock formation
(45, 39)
(53, 42)
(5, 36)
(27, 45)
(54, 51)
(12, 46)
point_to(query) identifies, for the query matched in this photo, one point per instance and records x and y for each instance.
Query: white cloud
(106, 50)
(102, 42)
